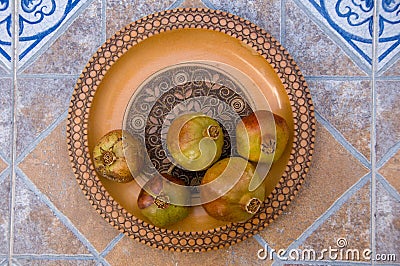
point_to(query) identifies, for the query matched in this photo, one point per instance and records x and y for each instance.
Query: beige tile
(215, 257)
(265, 14)
(73, 49)
(333, 171)
(315, 53)
(39, 102)
(346, 105)
(49, 168)
(387, 223)
(5, 189)
(246, 253)
(37, 230)
(132, 252)
(3, 166)
(387, 116)
(391, 171)
(347, 229)
(122, 13)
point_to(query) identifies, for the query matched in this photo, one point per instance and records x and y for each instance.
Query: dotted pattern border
(250, 34)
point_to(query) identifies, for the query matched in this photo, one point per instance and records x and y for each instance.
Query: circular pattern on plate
(190, 87)
(255, 37)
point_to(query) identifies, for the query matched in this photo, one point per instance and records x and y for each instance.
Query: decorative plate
(156, 66)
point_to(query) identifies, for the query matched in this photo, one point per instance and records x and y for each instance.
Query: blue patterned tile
(42, 21)
(350, 22)
(313, 50)
(71, 51)
(5, 33)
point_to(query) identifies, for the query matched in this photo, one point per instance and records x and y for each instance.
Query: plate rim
(257, 38)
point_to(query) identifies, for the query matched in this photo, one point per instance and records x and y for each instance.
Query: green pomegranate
(154, 201)
(195, 141)
(112, 154)
(262, 136)
(238, 204)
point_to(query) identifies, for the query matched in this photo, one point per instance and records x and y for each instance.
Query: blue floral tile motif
(39, 21)
(5, 32)
(353, 21)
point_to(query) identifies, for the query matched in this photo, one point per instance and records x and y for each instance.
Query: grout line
(56, 34)
(266, 248)
(111, 245)
(338, 78)
(14, 263)
(5, 173)
(388, 155)
(4, 159)
(277, 263)
(389, 188)
(72, 257)
(330, 211)
(103, 22)
(7, 70)
(14, 60)
(103, 262)
(373, 127)
(48, 75)
(64, 219)
(388, 78)
(6, 75)
(335, 37)
(176, 4)
(388, 64)
(282, 37)
(42, 136)
(208, 4)
(342, 140)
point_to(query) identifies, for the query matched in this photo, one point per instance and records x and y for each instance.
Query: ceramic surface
(121, 66)
(352, 190)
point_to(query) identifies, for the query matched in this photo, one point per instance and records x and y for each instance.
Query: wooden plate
(169, 39)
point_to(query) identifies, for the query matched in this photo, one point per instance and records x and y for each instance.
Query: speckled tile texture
(265, 14)
(121, 13)
(39, 103)
(334, 171)
(5, 196)
(5, 117)
(343, 222)
(314, 52)
(350, 200)
(347, 106)
(388, 222)
(69, 53)
(390, 171)
(387, 116)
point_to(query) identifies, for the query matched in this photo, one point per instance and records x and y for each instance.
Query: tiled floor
(349, 52)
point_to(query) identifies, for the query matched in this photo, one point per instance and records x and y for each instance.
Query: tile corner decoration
(351, 24)
(41, 22)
